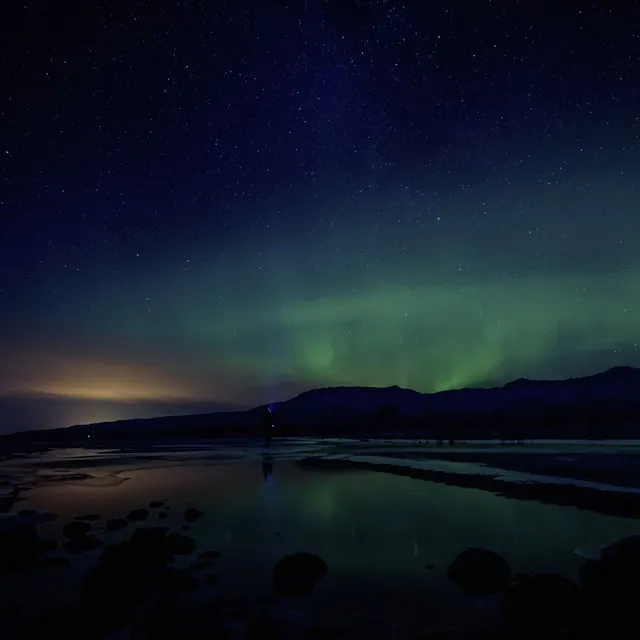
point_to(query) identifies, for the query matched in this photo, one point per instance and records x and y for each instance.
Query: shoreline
(611, 503)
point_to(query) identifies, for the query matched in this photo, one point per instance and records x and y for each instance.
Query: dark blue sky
(217, 204)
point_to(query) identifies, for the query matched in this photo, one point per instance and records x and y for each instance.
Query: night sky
(216, 204)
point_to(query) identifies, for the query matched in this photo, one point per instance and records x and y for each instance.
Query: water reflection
(267, 468)
(378, 533)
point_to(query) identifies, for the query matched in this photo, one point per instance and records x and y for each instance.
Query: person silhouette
(268, 427)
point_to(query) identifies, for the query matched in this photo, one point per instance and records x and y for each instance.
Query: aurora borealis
(210, 208)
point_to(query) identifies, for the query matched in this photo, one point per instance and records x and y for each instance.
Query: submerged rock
(200, 564)
(75, 529)
(53, 562)
(210, 555)
(115, 524)
(128, 573)
(82, 544)
(541, 602)
(19, 545)
(162, 515)
(480, 572)
(180, 544)
(298, 573)
(191, 514)
(175, 581)
(138, 514)
(156, 504)
(612, 584)
(211, 579)
(280, 621)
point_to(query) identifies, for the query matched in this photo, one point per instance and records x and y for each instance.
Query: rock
(199, 565)
(146, 551)
(156, 504)
(47, 544)
(162, 515)
(179, 544)
(612, 584)
(82, 544)
(185, 527)
(209, 555)
(541, 602)
(53, 562)
(89, 517)
(191, 514)
(298, 573)
(429, 566)
(282, 622)
(137, 515)
(61, 622)
(115, 524)
(28, 517)
(480, 572)
(127, 575)
(19, 544)
(110, 596)
(211, 579)
(75, 529)
(176, 582)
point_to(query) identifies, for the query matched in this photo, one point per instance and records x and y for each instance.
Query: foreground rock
(541, 604)
(115, 524)
(76, 529)
(297, 574)
(191, 515)
(612, 585)
(179, 544)
(480, 572)
(138, 515)
(83, 544)
(20, 544)
(280, 621)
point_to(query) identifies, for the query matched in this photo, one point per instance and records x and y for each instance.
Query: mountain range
(606, 404)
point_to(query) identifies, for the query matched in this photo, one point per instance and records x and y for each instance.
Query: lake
(386, 539)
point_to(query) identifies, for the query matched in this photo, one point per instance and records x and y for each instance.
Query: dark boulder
(137, 515)
(199, 565)
(19, 545)
(541, 603)
(480, 572)
(175, 581)
(298, 573)
(53, 562)
(156, 504)
(146, 551)
(76, 529)
(115, 524)
(612, 585)
(211, 579)
(191, 514)
(209, 555)
(82, 544)
(179, 544)
(163, 515)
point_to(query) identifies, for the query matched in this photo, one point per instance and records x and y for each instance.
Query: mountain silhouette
(606, 404)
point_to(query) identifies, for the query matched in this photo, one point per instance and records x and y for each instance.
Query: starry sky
(211, 205)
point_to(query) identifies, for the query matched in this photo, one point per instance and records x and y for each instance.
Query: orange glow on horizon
(81, 378)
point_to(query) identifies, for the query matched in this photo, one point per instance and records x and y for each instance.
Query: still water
(386, 539)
